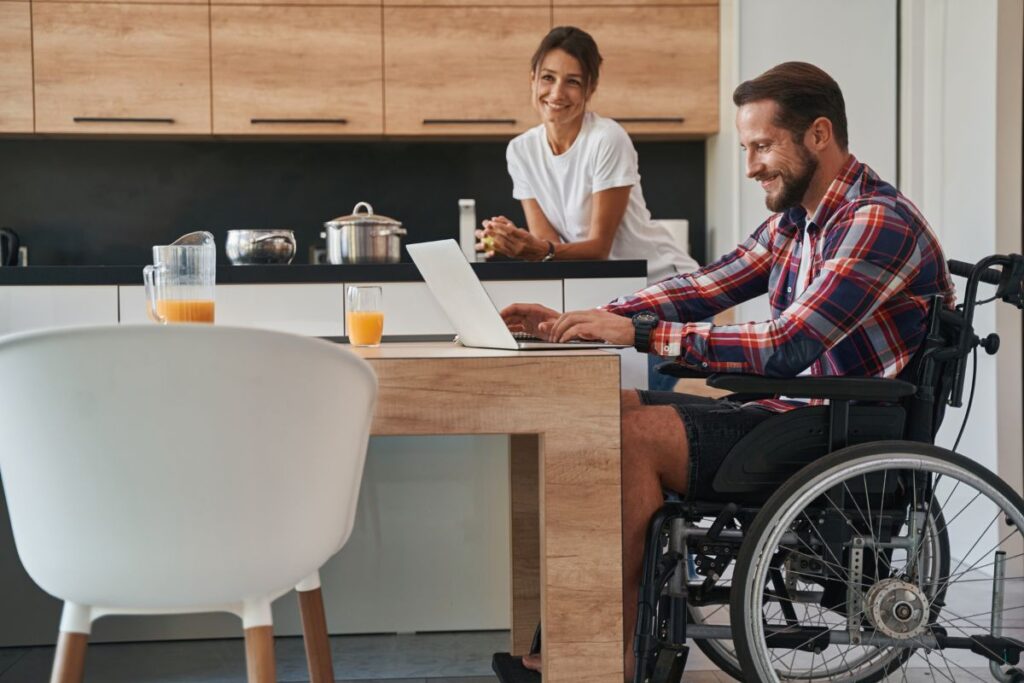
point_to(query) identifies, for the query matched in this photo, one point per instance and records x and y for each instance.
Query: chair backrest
(179, 466)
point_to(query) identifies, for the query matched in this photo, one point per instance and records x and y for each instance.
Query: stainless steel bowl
(252, 247)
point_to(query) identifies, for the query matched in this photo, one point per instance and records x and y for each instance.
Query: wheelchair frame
(669, 591)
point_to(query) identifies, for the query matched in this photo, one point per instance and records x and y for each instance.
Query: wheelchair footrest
(510, 669)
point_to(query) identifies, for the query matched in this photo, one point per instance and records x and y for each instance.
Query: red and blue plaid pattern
(876, 264)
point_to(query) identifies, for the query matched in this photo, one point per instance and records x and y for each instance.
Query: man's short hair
(803, 92)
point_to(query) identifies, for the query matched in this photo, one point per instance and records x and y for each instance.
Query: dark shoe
(510, 669)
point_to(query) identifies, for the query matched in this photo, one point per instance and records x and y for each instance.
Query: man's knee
(653, 433)
(654, 444)
(629, 401)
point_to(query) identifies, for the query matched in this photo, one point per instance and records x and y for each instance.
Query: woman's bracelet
(551, 251)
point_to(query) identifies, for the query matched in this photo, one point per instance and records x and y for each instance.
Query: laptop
(468, 307)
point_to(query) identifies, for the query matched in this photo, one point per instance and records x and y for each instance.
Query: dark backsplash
(105, 202)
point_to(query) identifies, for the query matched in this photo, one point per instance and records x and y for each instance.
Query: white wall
(962, 165)
(961, 157)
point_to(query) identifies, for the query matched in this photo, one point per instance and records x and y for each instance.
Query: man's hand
(591, 325)
(529, 318)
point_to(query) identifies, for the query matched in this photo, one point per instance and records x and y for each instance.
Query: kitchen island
(430, 548)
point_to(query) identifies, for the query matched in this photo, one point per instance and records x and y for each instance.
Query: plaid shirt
(876, 263)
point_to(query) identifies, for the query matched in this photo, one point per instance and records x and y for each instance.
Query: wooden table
(561, 409)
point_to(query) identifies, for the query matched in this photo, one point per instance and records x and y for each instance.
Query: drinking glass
(364, 315)
(180, 284)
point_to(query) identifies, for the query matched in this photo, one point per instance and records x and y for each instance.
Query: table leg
(525, 537)
(581, 554)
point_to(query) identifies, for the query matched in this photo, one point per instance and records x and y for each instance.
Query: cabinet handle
(649, 119)
(287, 121)
(455, 122)
(119, 119)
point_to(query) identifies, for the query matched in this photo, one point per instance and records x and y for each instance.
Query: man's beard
(793, 187)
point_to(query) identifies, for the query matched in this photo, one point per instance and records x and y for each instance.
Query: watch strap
(642, 330)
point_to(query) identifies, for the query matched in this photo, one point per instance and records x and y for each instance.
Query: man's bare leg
(655, 456)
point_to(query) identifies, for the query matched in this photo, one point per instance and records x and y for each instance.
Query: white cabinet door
(589, 293)
(411, 309)
(39, 306)
(314, 309)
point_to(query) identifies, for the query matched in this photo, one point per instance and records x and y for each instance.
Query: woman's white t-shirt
(601, 157)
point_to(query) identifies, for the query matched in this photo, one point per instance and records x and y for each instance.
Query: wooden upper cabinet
(122, 68)
(297, 70)
(628, 3)
(15, 67)
(660, 70)
(466, 3)
(460, 71)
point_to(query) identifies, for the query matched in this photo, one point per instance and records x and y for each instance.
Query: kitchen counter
(304, 273)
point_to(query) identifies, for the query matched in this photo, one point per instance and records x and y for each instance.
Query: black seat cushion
(778, 447)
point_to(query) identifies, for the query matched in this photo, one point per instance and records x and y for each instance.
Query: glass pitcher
(180, 283)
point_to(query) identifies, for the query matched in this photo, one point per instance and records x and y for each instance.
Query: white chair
(189, 468)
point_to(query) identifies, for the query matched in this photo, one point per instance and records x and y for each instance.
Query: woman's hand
(501, 236)
(592, 325)
(529, 318)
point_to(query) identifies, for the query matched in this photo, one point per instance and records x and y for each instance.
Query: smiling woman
(576, 174)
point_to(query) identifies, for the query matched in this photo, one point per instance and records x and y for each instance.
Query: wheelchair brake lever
(727, 515)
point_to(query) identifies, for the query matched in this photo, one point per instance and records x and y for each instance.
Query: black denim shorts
(713, 427)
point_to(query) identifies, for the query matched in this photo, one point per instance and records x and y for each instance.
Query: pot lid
(367, 218)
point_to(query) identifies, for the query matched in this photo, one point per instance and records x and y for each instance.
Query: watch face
(645, 318)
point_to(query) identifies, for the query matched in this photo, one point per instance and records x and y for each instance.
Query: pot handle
(366, 205)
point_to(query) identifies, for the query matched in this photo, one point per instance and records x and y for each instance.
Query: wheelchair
(837, 542)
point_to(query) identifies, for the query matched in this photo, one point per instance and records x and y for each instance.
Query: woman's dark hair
(577, 43)
(803, 92)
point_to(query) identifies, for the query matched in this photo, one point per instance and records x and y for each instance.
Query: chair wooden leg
(69, 660)
(314, 633)
(259, 654)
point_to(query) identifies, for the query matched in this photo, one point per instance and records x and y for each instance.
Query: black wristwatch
(643, 325)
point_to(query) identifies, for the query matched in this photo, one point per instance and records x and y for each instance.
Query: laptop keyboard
(526, 336)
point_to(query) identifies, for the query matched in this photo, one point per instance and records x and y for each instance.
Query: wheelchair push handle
(1008, 276)
(965, 269)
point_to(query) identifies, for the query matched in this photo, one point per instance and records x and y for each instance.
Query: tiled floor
(414, 658)
(441, 657)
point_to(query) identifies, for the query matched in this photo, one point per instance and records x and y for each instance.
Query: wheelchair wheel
(845, 574)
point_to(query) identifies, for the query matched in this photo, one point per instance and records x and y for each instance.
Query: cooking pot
(363, 237)
(249, 247)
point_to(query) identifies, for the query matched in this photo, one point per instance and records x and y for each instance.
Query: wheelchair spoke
(931, 669)
(954, 663)
(908, 586)
(975, 566)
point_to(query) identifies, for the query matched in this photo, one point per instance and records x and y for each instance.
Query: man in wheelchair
(820, 535)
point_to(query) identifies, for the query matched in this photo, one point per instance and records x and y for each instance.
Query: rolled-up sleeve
(869, 255)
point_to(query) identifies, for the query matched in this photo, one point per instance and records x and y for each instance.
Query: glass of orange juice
(364, 315)
(180, 284)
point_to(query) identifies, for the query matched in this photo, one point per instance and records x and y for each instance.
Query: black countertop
(279, 274)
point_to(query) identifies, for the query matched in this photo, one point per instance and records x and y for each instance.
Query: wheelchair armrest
(673, 369)
(837, 388)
